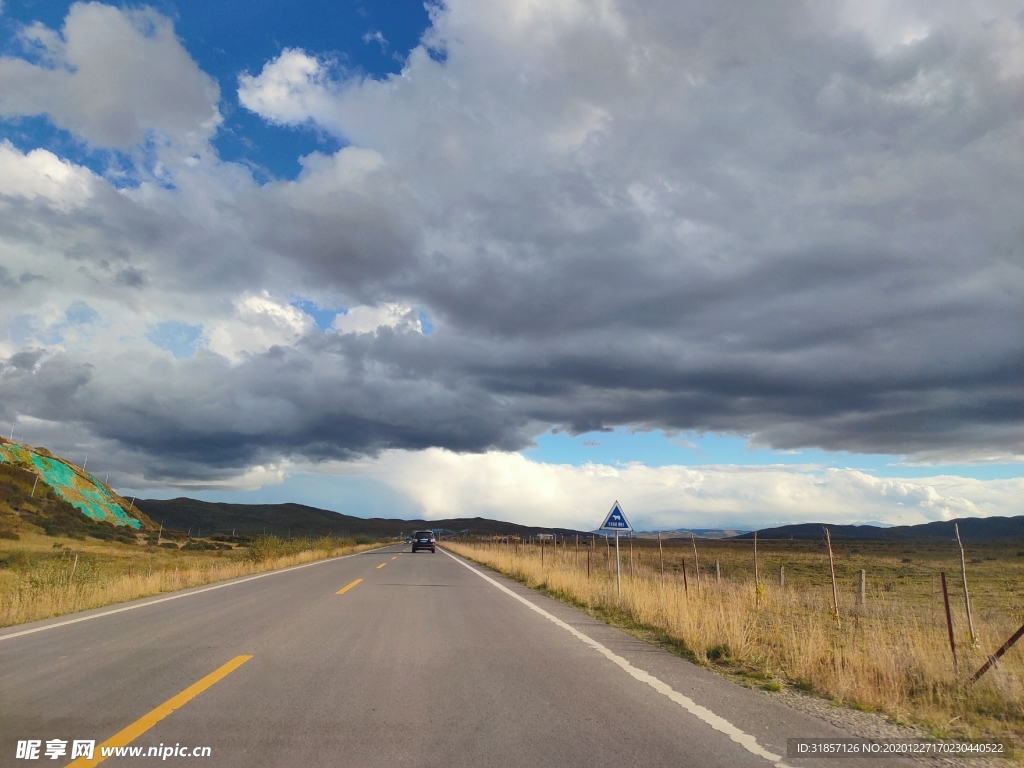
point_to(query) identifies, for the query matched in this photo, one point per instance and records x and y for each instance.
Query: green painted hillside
(51, 493)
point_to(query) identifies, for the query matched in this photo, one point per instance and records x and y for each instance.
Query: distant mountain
(206, 518)
(971, 529)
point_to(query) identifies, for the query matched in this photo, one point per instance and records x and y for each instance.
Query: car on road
(424, 540)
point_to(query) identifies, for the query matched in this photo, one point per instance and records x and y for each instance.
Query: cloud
(369, 319)
(40, 174)
(509, 486)
(259, 323)
(376, 37)
(291, 90)
(799, 224)
(710, 234)
(110, 76)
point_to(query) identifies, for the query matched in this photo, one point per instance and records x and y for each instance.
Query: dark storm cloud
(329, 398)
(797, 223)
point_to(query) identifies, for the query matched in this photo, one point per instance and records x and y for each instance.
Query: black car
(424, 540)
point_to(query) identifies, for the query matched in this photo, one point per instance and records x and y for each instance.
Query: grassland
(890, 655)
(56, 560)
(43, 576)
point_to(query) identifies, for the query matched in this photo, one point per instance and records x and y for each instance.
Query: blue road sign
(616, 520)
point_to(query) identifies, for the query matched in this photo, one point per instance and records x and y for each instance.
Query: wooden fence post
(862, 588)
(757, 578)
(967, 596)
(718, 572)
(661, 557)
(782, 577)
(696, 562)
(949, 623)
(832, 569)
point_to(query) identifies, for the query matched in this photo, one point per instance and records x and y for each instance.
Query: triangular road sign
(616, 520)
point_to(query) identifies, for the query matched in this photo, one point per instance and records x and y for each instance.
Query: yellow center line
(381, 566)
(126, 736)
(346, 588)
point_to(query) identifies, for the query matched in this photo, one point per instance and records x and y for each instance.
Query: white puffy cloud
(110, 76)
(510, 486)
(291, 90)
(369, 319)
(41, 174)
(259, 323)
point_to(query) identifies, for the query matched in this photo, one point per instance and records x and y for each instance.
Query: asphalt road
(424, 662)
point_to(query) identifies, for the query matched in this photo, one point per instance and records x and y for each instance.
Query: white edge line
(717, 722)
(178, 596)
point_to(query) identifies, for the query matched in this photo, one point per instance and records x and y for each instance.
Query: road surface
(385, 658)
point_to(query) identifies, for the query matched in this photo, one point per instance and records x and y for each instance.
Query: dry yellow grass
(892, 655)
(48, 577)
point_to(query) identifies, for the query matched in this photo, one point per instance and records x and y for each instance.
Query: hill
(971, 529)
(209, 518)
(41, 489)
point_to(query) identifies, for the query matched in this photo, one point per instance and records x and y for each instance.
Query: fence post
(686, 586)
(696, 562)
(949, 623)
(661, 557)
(998, 654)
(967, 597)
(757, 579)
(832, 569)
(862, 588)
(782, 577)
(718, 572)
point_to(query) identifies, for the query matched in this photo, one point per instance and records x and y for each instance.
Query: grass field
(43, 576)
(890, 655)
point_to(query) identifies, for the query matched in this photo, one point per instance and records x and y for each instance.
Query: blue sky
(656, 449)
(395, 257)
(227, 39)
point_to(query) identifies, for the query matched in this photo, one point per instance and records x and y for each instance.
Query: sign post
(616, 521)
